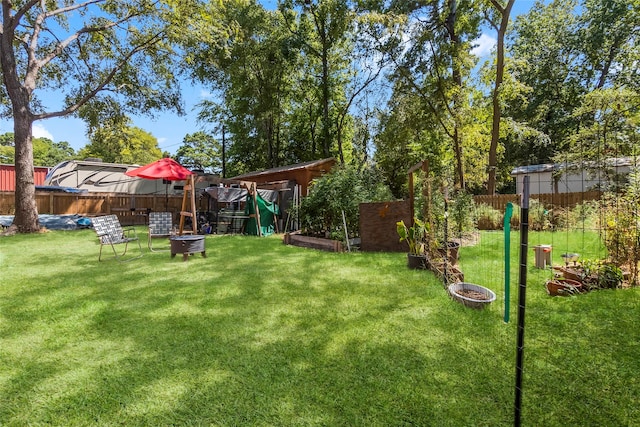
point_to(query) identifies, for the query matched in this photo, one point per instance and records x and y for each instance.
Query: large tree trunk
(326, 133)
(495, 124)
(339, 126)
(26, 215)
(613, 52)
(312, 131)
(457, 80)
(457, 148)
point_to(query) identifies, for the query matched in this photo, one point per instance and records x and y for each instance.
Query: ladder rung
(185, 213)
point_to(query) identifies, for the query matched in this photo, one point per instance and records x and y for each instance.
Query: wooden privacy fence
(133, 209)
(130, 209)
(558, 200)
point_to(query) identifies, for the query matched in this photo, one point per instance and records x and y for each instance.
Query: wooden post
(411, 196)
(194, 220)
(188, 192)
(412, 169)
(254, 190)
(427, 194)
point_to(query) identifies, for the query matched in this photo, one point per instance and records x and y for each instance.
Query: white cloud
(483, 45)
(204, 94)
(40, 132)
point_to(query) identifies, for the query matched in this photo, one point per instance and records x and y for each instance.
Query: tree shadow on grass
(302, 338)
(220, 341)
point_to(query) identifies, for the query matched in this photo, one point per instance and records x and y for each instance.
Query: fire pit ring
(187, 245)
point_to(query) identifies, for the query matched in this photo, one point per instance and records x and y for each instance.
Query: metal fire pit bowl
(187, 245)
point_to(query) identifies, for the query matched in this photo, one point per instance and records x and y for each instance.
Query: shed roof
(547, 167)
(551, 167)
(300, 173)
(320, 165)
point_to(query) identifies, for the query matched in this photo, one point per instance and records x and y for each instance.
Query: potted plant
(610, 276)
(415, 236)
(563, 287)
(596, 274)
(450, 251)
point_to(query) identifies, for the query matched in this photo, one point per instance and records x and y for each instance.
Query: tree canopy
(202, 151)
(106, 57)
(122, 143)
(45, 151)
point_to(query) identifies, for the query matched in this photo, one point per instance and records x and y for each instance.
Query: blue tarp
(54, 222)
(55, 189)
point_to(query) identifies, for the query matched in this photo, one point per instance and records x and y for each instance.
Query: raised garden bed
(297, 239)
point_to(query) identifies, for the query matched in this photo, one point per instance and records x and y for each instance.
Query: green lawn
(259, 333)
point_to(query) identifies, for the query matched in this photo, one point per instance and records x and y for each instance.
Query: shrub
(538, 216)
(461, 213)
(621, 231)
(487, 217)
(341, 190)
(602, 275)
(585, 215)
(561, 218)
(515, 217)
(581, 216)
(460, 219)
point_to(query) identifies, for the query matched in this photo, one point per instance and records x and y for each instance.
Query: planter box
(297, 239)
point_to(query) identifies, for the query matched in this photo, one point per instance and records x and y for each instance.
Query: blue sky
(167, 127)
(170, 128)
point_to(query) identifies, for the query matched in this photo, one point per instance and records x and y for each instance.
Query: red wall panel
(8, 176)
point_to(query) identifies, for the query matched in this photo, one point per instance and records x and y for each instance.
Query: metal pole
(522, 296)
(507, 260)
(224, 160)
(445, 264)
(346, 232)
